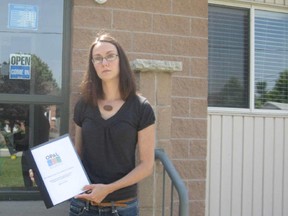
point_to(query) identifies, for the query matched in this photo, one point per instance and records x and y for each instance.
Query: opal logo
(53, 159)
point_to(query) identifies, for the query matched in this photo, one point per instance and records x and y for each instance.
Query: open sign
(20, 66)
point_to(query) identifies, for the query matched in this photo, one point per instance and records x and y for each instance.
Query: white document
(60, 169)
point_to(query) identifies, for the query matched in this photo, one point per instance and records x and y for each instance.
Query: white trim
(252, 60)
(247, 112)
(249, 4)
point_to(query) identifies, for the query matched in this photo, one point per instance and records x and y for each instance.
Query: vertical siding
(247, 166)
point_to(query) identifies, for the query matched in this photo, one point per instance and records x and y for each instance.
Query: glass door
(33, 86)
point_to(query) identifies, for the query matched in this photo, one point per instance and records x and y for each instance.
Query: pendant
(107, 107)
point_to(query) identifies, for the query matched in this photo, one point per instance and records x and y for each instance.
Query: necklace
(108, 107)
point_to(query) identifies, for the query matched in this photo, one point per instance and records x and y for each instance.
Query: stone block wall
(158, 33)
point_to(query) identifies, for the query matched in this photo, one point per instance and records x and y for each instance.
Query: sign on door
(20, 66)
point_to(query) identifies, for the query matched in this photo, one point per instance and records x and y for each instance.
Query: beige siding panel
(247, 165)
(226, 137)
(285, 170)
(268, 167)
(258, 166)
(215, 166)
(278, 166)
(237, 171)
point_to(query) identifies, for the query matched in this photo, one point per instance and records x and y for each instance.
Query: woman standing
(111, 119)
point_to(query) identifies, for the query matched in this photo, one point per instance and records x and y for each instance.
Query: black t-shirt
(109, 145)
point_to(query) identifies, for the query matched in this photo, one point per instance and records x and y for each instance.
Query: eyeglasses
(108, 58)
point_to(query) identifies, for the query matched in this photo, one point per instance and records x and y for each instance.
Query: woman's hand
(31, 175)
(95, 193)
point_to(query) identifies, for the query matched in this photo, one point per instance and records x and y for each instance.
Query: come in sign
(20, 66)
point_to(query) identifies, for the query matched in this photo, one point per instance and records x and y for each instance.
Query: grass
(10, 172)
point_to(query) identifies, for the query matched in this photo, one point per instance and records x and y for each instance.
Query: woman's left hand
(95, 193)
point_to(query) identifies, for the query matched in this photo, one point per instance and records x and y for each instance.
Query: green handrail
(176, 181)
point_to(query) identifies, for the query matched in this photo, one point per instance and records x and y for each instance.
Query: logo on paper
(53, 159)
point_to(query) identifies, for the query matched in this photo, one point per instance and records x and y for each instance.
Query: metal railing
(176, 182)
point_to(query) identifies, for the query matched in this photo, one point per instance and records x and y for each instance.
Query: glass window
(31, 47)
(23, 126)
(228, 57)
(271, 60)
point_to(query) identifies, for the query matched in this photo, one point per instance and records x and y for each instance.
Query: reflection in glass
(41, 81)
(22, 127)
(228, 60)
(271, 60)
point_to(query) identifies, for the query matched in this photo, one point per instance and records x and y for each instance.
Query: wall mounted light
(100, 1)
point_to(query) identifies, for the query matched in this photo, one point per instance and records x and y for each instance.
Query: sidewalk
(32, 208)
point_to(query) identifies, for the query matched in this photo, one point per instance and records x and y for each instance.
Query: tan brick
(133, 21)
(166, 145)
(199, 67)
(147, 86)
(94, 17)
(76, 78)
(125, 39)
(199, 88)
(186, 66)
(163, 6)
(80, 60)
(190, 46)
(198, 149)
(189, 128)
(151, 43)
(180, 107)
(198, 108)
(199, 27)
(83, 38)
(145, 188)
(181, 86)
(189, 169)
(170, 24)
(163, 123)
(181, 128)
(163, 86)
(197, 208)
(180, 149)
(127, 4)
(195, 8)
(187, 87)
(196, 190)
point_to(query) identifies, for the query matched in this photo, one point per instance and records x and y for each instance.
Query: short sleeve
(147, 116)
(78, 113)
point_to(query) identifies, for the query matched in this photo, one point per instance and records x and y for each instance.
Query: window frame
(251, 6)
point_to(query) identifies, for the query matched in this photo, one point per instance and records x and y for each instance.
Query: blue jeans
(81, 208)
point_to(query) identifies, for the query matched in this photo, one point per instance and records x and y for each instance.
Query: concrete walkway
(32, 208)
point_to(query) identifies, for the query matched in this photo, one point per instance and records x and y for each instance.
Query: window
(271, 59)
(31, 32)
(34, 86)
(230, 60)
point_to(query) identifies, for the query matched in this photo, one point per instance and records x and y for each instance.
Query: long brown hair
(91, 86)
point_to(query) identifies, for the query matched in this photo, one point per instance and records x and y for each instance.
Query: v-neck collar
(115, 116)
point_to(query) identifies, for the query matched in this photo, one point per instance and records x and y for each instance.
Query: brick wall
(165, 30)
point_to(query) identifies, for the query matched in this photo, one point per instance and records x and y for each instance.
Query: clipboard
(58, 171)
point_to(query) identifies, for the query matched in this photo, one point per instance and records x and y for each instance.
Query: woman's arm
(146, 144)
(78, 140)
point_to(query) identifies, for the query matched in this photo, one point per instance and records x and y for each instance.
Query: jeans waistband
(119, 203)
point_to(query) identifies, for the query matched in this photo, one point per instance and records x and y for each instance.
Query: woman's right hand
(31, 175)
